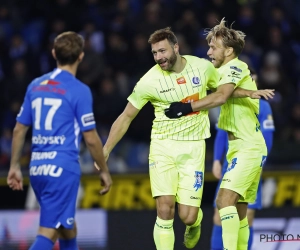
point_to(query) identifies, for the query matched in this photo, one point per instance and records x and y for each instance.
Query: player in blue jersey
(59, 108)
(220, 150)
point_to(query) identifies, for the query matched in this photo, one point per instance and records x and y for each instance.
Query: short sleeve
(25, 113)
(232, 74)
(84, 110)
(138, 97)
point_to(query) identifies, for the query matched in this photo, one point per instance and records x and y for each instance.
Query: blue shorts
(258, 202)
(56, 191)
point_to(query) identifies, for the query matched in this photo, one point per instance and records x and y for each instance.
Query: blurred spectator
(96, 37)
(10, 114)
(17, 82)
(92, 65)
(142, 59)
(5, 148)
(117, 52)
(108, 95)
(18, 48)
(188, 26)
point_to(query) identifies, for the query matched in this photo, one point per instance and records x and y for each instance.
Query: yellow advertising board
(133, 192)
(129, 192)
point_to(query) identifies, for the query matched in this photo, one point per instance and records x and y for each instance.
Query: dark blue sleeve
(84, 109)
(220, 144)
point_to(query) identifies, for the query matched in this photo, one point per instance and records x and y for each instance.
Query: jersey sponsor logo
(269, 123)
(196, 80)
(236, 68)
(195, 198)
(57, 140)
(227, 217)
(47, 88)
(167, 90)
(199, 180)
(181, 80)
(46, 169)
(70, 221)
(50, 82)
(235, 75)
(43, 155)
(232, 165)
(88, 119)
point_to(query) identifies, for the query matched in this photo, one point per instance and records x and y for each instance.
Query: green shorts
(245, 161)
(177, 168)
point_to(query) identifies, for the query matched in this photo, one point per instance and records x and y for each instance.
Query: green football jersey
(239, 115)
(164, 87)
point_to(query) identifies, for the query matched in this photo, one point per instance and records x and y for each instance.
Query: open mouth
(163, 64)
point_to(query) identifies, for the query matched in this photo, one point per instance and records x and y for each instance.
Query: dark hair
(162, 34)
(68, 46)
(230, 37)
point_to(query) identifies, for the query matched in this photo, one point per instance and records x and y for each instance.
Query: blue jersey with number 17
(59, 108)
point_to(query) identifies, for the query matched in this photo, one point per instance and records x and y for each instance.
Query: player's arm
(95, 147)
(218, 98)
(14, 178)
(18, 140)
(119, 128)
(254, 94)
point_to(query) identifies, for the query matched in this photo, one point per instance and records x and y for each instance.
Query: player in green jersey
(247, 149)
(177, 149)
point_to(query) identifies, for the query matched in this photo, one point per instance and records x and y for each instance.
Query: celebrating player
(265, 119)
(176, 175)
(59, 108)
(247, 148)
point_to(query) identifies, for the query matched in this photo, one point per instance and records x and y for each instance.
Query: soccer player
(220, 148)
(247, 148)
(59, 108)
(177, 150)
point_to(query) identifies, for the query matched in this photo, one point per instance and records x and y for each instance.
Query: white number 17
(37, 105)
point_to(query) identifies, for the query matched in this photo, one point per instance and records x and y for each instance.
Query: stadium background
(116, 56)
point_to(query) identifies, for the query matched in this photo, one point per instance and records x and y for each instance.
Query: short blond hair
(230, 37)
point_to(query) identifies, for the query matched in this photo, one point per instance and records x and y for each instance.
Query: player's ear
(228, 51)
(53, 54)
(81, 56)
(176, 48)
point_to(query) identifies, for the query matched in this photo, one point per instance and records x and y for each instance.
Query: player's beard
(170, 62)
(218, 62)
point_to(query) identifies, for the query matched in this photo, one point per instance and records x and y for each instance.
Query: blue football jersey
(265, 116)
(59, 108)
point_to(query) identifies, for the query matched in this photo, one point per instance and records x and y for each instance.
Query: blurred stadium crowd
(117, 55)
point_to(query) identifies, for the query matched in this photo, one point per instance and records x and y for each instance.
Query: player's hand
(106, 182)
(178, 109)
(15, 178)
(266, 93)
(217, 169)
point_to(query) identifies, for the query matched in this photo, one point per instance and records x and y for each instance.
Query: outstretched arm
(119, 128)
(218, 98)
(254, 94)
